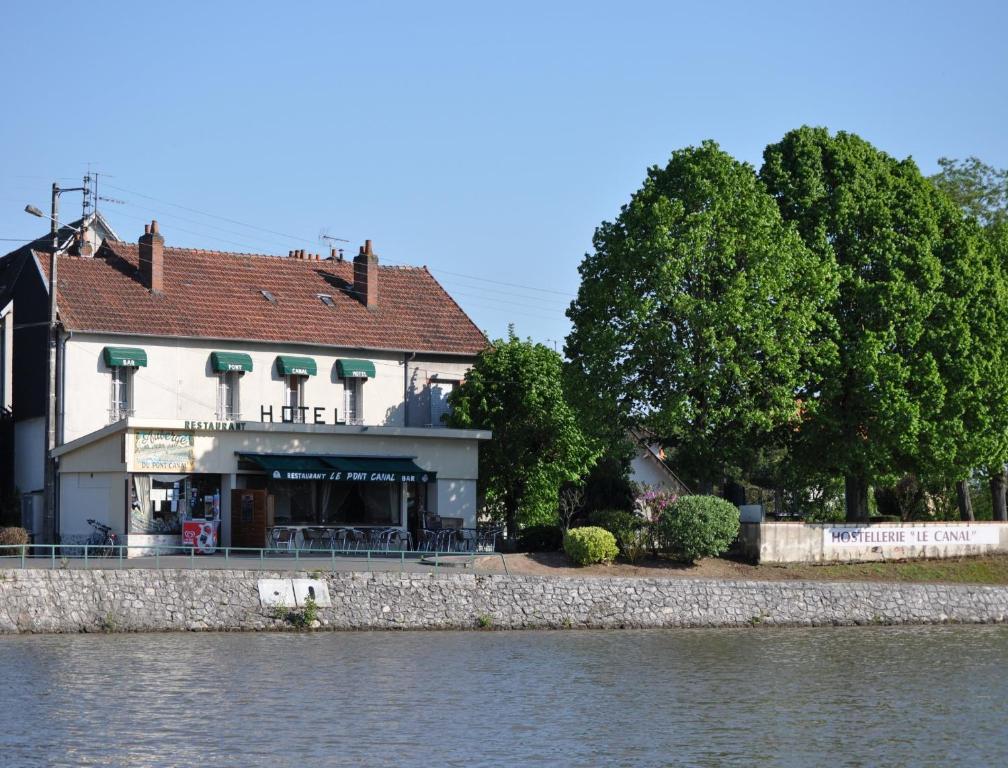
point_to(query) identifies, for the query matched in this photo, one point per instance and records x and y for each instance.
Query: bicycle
(102, 542)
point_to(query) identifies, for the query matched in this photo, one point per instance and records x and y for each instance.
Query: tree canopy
(515, 389)
(913, 321)
(980, 189)
(698, 314)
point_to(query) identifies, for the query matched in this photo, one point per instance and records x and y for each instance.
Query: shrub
(632, 533)
(540, 538)
(588, 545)
(13, 536)
(698, 526)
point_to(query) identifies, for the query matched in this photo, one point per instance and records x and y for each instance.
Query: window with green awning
(223, 362)
(349, 368)
(124, 357)
(292, 365)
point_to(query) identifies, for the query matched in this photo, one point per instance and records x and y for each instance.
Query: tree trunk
(998, 486)
(511, 520)
(856, 498)
(965, 503)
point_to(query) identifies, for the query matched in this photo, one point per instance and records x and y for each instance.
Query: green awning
(349, 368)
(291, 365)
(124, 357)
(339, 468)
(222, 362)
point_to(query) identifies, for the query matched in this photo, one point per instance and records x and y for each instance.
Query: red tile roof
(216, 295)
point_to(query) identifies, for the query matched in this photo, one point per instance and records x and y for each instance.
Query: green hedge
(698, 526)
(632, 533)
(540, 538)
(589, 545)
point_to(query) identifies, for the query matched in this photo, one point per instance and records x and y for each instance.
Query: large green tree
(697, 315)
(982, 192)
(897, 397)
(515, 390)
(980, 189)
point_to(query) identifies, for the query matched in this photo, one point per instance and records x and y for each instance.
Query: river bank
(981, 569)
(138, 600)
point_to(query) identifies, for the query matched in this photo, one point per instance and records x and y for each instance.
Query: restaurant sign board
(909, 536)
(163, 451)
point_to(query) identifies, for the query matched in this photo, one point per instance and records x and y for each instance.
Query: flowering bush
(650, 504)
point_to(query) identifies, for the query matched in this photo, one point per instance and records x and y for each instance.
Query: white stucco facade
(178, 382)
(176, 393)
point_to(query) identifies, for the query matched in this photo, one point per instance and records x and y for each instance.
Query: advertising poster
(163, 451)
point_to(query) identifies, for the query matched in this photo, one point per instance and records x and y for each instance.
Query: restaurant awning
(124, 357)
(222, 362)
(348, 368)
(362, 469)
(292, 365)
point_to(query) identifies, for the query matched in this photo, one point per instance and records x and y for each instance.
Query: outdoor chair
(466, 540)
(388, 536)
(283, 538)
(428, 540)
(314, 538)
(335, 538)
(444, 540)
(401, 539)
(486, 539)
(355, 539)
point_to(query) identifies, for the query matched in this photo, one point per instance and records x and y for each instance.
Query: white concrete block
(315, 588)
(277, 593)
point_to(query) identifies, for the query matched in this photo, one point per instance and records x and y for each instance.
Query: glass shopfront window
(159, 503)
(329, 503)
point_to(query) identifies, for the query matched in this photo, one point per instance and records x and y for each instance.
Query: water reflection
(893, 696)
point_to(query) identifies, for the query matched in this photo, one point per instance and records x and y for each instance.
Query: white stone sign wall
(902, 536)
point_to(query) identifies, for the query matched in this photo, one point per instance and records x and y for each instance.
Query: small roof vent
(326, 299)
(268, 296)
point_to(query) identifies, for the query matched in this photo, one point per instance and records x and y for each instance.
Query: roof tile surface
(217, 295)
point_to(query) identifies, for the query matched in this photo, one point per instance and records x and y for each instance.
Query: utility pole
(49, 518)
(50, 529)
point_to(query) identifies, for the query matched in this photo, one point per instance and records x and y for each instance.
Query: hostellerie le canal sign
(909, 536)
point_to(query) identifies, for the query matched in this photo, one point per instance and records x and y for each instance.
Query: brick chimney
(365, 276)
(152, 258)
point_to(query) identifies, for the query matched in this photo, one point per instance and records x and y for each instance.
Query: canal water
(795, 697)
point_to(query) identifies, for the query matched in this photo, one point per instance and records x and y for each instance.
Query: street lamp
(49, 523)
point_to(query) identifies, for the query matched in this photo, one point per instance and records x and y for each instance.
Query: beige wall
(177, 382)
(103, 455)
(97, 495)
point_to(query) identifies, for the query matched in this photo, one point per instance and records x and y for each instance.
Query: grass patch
(967, 570)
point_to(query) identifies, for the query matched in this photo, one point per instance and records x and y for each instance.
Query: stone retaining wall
(150, 600)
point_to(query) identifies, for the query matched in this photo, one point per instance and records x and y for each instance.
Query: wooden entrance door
(248, 518)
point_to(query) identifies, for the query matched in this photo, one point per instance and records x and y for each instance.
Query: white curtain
(141, 516)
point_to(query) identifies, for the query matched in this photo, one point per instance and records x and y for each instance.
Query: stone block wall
(150, 600)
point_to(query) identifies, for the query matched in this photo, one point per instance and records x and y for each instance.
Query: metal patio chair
(283, 537)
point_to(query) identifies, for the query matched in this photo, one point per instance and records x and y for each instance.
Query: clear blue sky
(479, 141)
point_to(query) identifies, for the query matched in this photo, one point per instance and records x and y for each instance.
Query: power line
(501, 282)
(211, 215)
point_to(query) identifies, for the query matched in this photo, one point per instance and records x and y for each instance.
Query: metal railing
(168, 555)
